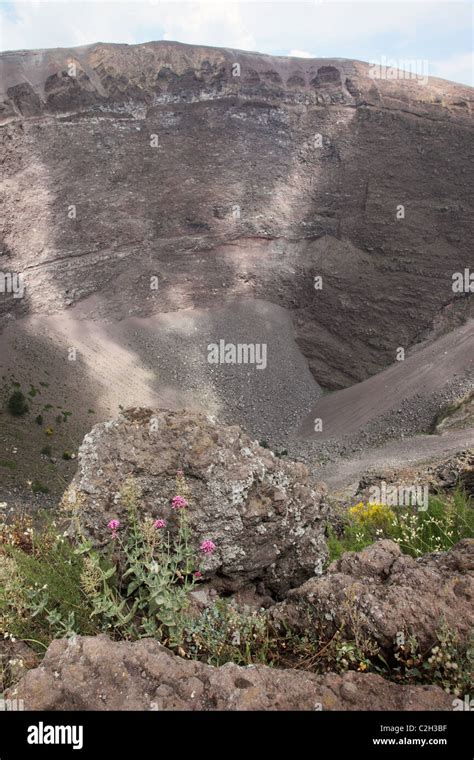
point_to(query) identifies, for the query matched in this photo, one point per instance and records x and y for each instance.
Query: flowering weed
(446, 521)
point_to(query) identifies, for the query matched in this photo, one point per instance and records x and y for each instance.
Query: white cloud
(457, 68)
(222, 24)
(301, 54)
(64, 24)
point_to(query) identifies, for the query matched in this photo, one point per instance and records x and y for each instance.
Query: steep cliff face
(162, 197)
(224, 173)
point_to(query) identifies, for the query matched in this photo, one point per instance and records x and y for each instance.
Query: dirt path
(416, 451)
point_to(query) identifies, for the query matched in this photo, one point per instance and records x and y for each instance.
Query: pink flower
(159, 524)
(207, 547)
(197, 574)
(114, 525)
(178, 502)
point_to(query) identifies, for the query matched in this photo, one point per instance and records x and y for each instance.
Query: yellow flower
(371, 514)
(362, 666)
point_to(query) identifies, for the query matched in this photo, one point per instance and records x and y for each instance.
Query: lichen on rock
(265, 518)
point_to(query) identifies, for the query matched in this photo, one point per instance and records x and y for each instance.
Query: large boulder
(94, 673)
(381, 592)
(265, 519)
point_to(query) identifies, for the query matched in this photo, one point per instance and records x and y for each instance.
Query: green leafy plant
(443, 524)
(448, 663)
(223, 633)
(17, 405)
(139, 586)
(40, 592)
(142, 587)
(38, 487)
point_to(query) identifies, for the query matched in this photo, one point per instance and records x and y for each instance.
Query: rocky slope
(244, 141)
(142, 183)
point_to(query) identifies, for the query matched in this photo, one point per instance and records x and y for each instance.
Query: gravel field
(162, 361)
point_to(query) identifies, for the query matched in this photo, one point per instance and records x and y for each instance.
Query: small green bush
(139, 586)
(10, 463)
(17, 405)
(38, 487)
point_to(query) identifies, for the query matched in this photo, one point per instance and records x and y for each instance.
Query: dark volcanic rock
(94, 673)
(384, 592)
